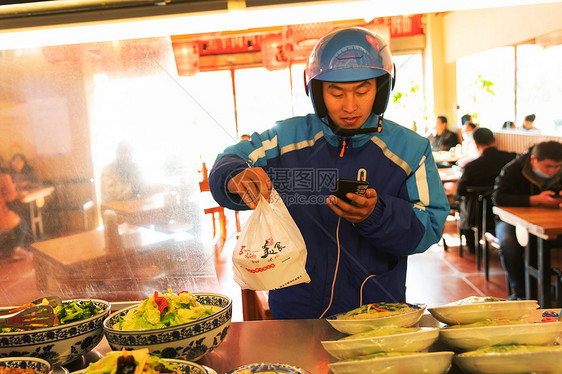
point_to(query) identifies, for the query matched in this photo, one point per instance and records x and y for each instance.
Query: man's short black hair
(550, 150)
(442, 119)
(530, 118)
(483, 136)
(508, 125)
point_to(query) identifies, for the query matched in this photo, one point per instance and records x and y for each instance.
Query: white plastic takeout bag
(270, 252)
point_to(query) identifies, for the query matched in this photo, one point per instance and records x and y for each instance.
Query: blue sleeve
(236, 159)
(410, 226)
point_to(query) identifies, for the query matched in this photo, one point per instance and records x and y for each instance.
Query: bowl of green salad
(172, 326)
(77, 330)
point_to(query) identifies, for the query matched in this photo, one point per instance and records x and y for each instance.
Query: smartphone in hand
(349, 185)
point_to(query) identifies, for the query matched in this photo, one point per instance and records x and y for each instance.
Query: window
(406, 105)
(485, 87)
(539, 86)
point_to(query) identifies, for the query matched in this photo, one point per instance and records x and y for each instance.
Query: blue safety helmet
(350, 55)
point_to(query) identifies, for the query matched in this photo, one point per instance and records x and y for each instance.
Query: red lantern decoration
(273, 53)
(186, 55)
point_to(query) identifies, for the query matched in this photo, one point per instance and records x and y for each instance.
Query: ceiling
(49, 22)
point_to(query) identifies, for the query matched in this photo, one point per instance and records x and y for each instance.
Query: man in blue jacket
(361, 258)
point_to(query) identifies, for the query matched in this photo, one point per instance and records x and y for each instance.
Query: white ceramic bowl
(58, 344)
(547, 361)
(470, 313)
(355, 326)
(406, 342)
(188, 341)
(39, 365)
(427, 363)
(471, 338)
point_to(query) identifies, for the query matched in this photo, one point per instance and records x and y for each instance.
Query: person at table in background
(24, 178)
(528, 124)
(349, 77)
(508, 125)
(442, 139)
(23, 175)
(533, 178)
(469, 149)
(9, 219)
(480, 172)
(245, 137)
(121, 179)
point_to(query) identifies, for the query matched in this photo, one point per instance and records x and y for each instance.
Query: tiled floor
(435, 277)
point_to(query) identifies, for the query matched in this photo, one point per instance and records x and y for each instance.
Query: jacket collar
(357, 140)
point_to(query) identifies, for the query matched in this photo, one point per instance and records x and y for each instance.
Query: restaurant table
(292, 342)
(35, 197)
(541, 223)
(146, 210)
(452, 174)
(81, 256)
(446, 156)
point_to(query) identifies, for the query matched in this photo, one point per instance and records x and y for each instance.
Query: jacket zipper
(345, 141)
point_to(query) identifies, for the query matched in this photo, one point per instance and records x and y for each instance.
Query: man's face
(124, 155)
(527, 124)
(349, 104)
(440, 126)
(546, 166)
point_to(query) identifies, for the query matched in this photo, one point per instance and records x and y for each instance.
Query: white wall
(471, 31)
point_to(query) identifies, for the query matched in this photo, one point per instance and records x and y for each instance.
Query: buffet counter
(293, 342)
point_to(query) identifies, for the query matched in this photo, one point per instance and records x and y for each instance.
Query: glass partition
(72, 110)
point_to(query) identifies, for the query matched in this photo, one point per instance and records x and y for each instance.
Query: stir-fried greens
(68, 312)
(76, 310)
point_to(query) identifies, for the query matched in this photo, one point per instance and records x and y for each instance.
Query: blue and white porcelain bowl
(184, 367)
(189, 341)
(39, 365)
(60, 344)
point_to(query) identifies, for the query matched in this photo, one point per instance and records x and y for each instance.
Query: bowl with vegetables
(77, 329)
(24, 365)
(172, 326)
(376, 315)
(140, 361)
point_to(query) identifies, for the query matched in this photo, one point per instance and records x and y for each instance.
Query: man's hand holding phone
(352, 200)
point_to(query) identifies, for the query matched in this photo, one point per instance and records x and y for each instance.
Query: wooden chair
(476, 196)
(489, 233)
(454, 201)
(557, 273)
(217, 213)
(74, 195)
(255, 305)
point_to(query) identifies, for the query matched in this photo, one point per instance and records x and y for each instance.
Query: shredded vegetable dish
(377, 310)
(164, 310)
(5, 370)
(383, 331)
(511, 348)
(131, 362)
(476, 300)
